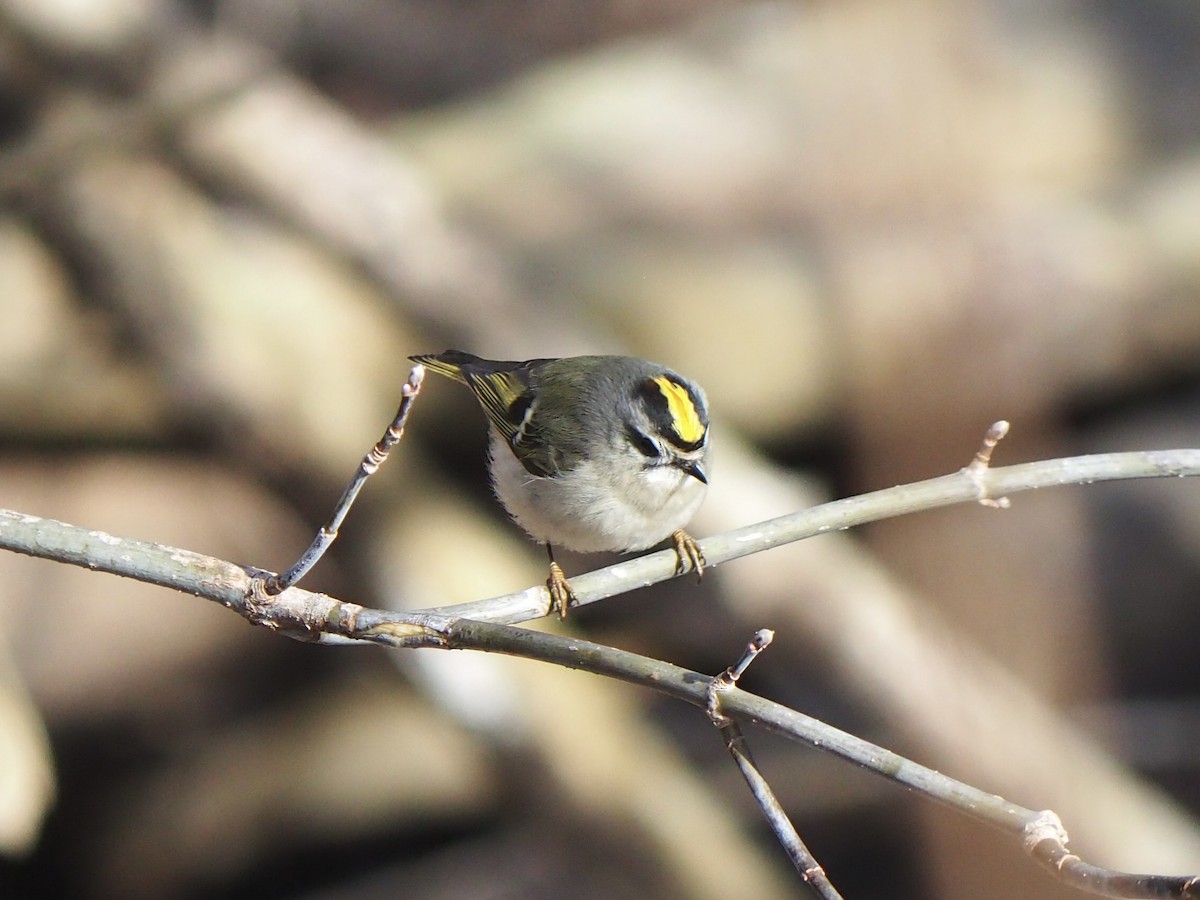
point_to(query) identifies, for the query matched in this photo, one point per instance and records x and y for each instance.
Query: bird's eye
(644, 444)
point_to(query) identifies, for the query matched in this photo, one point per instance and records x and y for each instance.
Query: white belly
(589, 512)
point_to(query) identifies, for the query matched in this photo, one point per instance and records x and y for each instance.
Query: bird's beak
(693, 468)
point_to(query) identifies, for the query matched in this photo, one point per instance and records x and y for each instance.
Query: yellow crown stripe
(684, 417)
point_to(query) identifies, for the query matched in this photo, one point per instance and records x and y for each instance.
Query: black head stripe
(678, 414)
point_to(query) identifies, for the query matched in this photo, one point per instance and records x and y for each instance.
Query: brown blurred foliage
(868, 228)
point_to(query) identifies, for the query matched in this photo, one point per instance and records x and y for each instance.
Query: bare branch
(375, 457)
(735, 742)
(1046, 841)
(947, 490)
(317, 617)
(186, 571)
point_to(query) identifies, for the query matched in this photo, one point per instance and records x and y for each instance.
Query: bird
(591, 453)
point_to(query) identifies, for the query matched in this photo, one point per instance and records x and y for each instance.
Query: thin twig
(983, 460)
(1046, 841)
(735, 742)
(277, 584)
(995, 434)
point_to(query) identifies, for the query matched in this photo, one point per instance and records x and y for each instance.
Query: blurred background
(869, 229)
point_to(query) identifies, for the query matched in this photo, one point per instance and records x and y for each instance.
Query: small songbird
(592, 453)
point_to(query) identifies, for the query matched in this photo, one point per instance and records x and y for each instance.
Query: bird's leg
(690, 556)
(561, 595)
